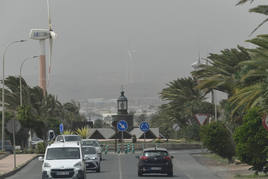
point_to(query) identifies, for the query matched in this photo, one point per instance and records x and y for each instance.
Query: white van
(63, 160)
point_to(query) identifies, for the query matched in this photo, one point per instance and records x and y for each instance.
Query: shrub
(191, 132)
(217, 138)
(28, 151)
(251, 141)
(83, 132)
(40, 148)
(158, 140)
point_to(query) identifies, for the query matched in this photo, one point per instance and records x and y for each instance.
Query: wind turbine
(130, 64)
(42, 35)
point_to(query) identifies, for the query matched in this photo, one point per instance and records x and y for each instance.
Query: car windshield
(88, 150)
(72, 138)
(155, 153)
(63, 153)
(91, 143)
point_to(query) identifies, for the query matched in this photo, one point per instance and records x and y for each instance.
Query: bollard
(128, 147)
(106, 149)
(118, 148)
(125, 147)
(133, 148)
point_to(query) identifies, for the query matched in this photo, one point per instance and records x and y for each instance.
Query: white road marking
(119, 166)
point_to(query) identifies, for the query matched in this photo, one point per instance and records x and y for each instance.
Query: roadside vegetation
(38, 113)
(240, 73)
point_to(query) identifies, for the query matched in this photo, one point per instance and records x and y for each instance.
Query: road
(125, 167)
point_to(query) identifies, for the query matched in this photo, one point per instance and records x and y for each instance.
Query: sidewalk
(7, 163)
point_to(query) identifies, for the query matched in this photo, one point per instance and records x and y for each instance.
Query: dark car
(155, 160)
(8, 146)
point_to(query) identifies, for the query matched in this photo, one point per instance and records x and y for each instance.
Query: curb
(8, 174)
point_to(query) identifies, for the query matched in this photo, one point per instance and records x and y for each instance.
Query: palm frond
(244, 1)
(263, 22)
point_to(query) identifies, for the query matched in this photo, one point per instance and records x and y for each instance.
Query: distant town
(103, 109)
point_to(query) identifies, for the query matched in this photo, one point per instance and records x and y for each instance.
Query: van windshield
(63, 153)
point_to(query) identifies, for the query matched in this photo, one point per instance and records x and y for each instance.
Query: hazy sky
(91, 52)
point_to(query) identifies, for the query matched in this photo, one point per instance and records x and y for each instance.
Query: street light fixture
(3, 91)
(28, 58)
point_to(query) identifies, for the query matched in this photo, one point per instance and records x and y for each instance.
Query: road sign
(144, 126)
(122, 125)
(176, 127)
(10, 126)
(265, 122)
(61, 128)
(201, 118)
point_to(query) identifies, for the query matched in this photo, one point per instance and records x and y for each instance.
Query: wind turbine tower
(130, 77)
(42, 35)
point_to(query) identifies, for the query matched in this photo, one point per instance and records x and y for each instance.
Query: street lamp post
(3, 92)
(196, 65)
(21, 76)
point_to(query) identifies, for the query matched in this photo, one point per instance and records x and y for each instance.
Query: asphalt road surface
(123, 166)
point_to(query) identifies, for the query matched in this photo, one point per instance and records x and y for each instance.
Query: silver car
(95, 143)
(91, 158)
(68, 138)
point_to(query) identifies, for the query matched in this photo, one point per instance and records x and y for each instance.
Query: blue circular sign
(122, 125)
(61, 128)
(144, 126)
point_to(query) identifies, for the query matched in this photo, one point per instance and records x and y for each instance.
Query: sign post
(122, 126)
(13, 126)
(265, 122)
(144, 127)
(176, 128)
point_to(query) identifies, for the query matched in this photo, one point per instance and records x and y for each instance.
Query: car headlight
(47, 165)
(92, 158)
(78, 165)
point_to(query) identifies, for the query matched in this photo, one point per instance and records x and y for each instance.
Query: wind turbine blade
(130, 54)
(49, 16)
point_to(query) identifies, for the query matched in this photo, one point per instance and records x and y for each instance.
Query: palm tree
(222, 71)
(261, 9)
(253, 89)
(184, 101)
(40, 112)
(12, 92)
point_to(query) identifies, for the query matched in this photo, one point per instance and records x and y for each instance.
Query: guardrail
(132, 147)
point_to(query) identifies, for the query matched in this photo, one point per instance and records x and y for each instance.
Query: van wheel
(84, 176)
(98, 169)
(170, 173)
